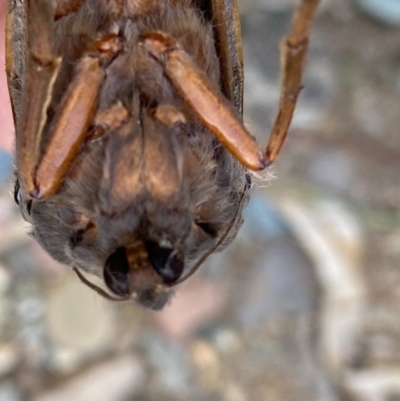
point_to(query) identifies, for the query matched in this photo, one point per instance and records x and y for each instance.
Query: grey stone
(80, 323)
(169, 360)
(9, 392)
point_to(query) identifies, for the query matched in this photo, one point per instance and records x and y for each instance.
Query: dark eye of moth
(167, 265)
(77, 237)
(17, 195)
(208, 229)
(116, 272)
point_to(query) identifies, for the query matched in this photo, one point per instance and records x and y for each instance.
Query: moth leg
(293, 54)
(211, 107)
(110, 119)
(72, 121)
(41, 69)
(65, 7)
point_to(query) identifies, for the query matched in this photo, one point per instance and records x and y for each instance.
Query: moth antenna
(96, 288)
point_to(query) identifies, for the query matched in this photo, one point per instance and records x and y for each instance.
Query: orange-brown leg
(42, 177)
(110, 119)
(212, 108)
(74, 116)
(293, 54)
(65, 7)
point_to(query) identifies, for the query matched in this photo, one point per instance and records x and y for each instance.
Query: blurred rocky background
(304, 305)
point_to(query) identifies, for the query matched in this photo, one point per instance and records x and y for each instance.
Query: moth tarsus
(132, 159)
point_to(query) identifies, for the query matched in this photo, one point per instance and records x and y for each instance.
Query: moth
(132, 161)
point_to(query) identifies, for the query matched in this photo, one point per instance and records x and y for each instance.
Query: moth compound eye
(116, 272)
(76, 238)
(208, 229)
(165, 262)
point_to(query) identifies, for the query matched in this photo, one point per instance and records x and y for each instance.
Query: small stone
(66, 360)
(373, 384)
(5, 279)
(112, 381)
(208, 365)
(30, 309)
(9, 357)
(226, 341)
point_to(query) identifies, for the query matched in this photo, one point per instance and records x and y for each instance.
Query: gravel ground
(303, 306)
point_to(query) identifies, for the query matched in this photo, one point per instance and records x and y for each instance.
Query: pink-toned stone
(196, 302)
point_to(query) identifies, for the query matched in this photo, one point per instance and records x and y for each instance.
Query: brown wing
(15, 49)
(224, 15)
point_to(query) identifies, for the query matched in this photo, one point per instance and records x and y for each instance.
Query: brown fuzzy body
(157, 174)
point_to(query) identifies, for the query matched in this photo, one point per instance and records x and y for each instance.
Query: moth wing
(226, 22)
(15, 50)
